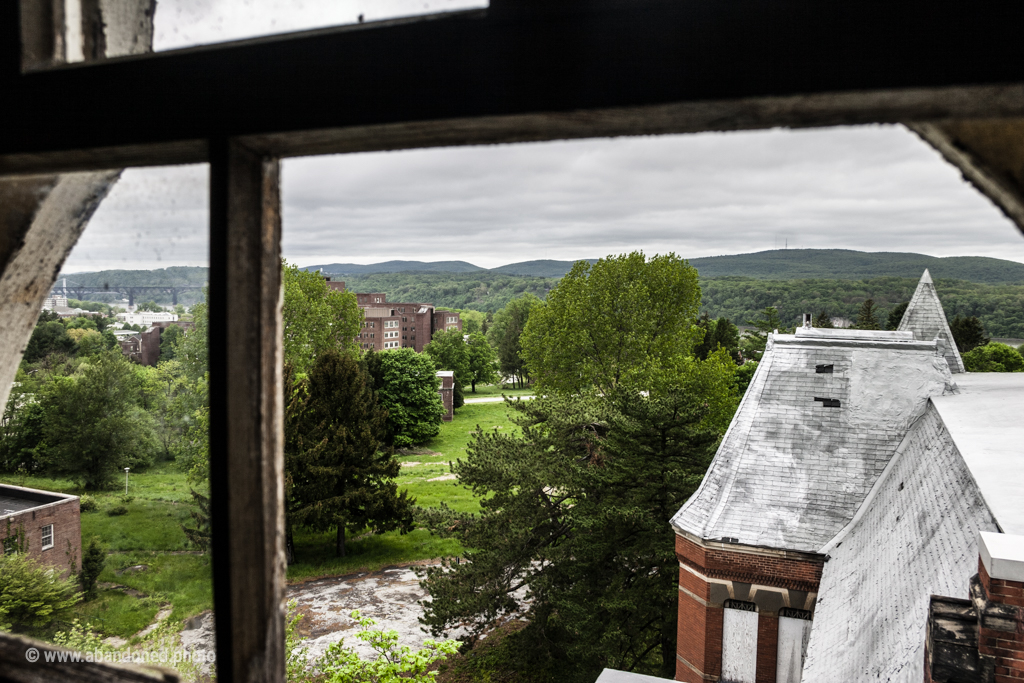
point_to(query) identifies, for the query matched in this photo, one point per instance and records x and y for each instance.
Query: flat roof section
(18, 499)
(985, 422)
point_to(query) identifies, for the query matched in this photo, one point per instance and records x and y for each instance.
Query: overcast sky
(876, 188)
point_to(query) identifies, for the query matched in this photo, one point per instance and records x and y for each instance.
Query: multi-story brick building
(389, 325)
(863, 475)
(45, 525)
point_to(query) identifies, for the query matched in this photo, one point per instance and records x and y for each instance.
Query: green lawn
(483, 390)
(150, 534)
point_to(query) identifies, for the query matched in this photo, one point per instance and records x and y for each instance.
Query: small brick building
(45, 525)
(447, 393)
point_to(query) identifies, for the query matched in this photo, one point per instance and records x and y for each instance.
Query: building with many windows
(388, 325)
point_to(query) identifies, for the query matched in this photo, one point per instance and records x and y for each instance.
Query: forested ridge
(1000, 306)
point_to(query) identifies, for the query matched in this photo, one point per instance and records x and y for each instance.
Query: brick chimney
(981, 639)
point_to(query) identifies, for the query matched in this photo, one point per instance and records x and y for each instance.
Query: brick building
(144, 347)
(853, 485)
(45, 525)
(447, 393)
(389, 325)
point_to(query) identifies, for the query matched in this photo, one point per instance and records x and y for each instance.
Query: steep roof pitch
(926, 319)
(791, 471)
(915, 536)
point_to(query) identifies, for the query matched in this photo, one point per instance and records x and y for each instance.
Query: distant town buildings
(861, 520)
(146, 317)
(389, 325)
(44, 525)
(144, 347)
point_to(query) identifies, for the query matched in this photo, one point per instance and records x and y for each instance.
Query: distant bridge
(131, 291)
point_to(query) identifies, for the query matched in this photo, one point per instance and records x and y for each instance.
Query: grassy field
(150, 566)
(483, 390)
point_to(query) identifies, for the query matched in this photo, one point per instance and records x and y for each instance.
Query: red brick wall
(1006, 646)
(67, 528)
(699, 635)
(767, 648)
(796, 574)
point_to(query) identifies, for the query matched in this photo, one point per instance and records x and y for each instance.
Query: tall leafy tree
(482, 361)
(94, 424)
(449, 351)
(317, 318)
(867, 316)
(573, 511)
(968, 333)
(608, 324)
(505, 332)
(340, 475)
(994, 357)
(574, 504)
(168, 339)
(407, 387)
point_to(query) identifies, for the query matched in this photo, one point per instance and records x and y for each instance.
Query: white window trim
(43, 533)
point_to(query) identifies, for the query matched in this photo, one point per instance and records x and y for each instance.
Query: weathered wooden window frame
(523, 70)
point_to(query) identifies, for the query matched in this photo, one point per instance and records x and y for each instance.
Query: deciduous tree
(317, 318)
(505, 332)
(94, 424)
(622, 320)
(482, 361)
(407, 387)
(449, 351)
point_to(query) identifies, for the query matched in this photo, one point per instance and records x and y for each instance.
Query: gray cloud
(874, 188)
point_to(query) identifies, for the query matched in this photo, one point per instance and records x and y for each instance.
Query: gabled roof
(916, 536)
(794, 467)
(926, 319)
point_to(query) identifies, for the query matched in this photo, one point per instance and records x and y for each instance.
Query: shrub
(127, 500)
(118, 510)
(87, 503)
(31, 594)
(993, 357)
(92, 566)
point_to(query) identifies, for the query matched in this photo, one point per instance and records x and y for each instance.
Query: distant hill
(397, 267)
(778, 264)
(846, 264)
(542, 268)
(174, 275)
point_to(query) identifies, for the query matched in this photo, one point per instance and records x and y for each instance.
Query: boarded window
(794, 632)
(739, 642)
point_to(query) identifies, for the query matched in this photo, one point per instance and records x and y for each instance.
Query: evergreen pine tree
(896, 316)
(867, 316)
(199, 535)
(968, 333)
(823, 320)
(340, 476)
(92, 566)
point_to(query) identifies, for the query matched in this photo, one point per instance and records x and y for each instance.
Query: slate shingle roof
(917, 536)
(791, 472)
(926, 319)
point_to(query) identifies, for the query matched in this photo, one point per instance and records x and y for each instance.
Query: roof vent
(828, 402)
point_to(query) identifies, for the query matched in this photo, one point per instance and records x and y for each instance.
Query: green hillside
(844, 264)
(483, 291)
(999, 307)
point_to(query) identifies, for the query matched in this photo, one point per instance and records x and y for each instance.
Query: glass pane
(185, 23)
(107, 421)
